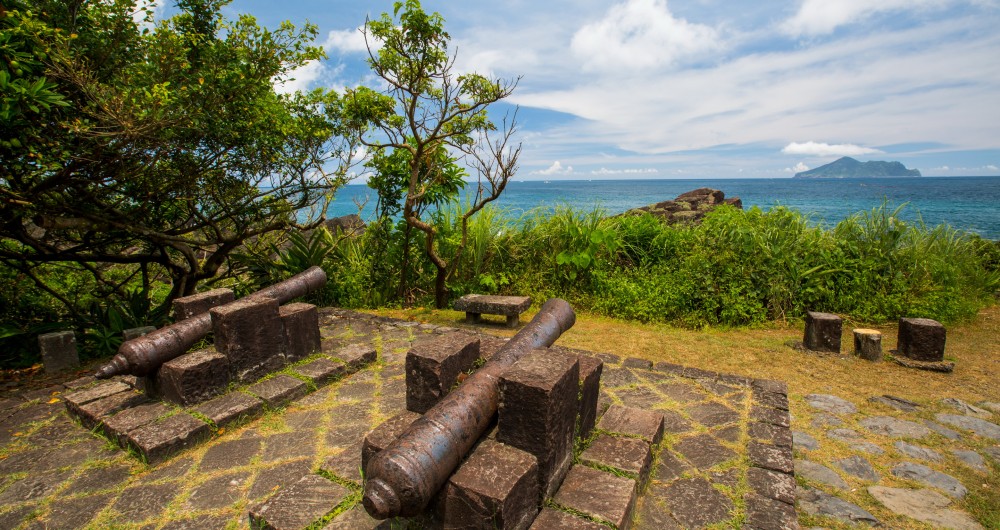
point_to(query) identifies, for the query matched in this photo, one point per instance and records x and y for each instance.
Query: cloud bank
(823, 149)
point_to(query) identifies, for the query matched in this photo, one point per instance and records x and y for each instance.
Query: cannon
(143, 355)
(402, 479)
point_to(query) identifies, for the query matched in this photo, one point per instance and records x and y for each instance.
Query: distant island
(848, 167)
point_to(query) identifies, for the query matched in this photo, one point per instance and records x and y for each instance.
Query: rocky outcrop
(350, 225)
(688, 207)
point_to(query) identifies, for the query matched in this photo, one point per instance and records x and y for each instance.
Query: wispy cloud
(824, 149)
(348, 41)
(608, 172)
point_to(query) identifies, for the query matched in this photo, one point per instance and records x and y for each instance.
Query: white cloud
(555, 169)
(818, 17)
(348, 41)
(799, 168)
(300, 78)
(992, 167)
(639, 34)
(606, 171)
(824, 149)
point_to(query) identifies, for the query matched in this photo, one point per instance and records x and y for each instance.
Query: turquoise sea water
(966, 203)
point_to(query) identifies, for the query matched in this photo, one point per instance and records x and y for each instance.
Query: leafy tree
(131, 153)
(427, 121)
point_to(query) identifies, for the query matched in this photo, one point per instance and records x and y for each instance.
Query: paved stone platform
(724, 459)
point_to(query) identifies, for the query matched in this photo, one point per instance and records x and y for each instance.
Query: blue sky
(711, 88)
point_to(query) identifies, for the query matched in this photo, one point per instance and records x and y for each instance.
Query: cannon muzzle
(402, 479)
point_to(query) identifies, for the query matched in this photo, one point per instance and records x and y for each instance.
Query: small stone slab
(819, 473)
(897, 403)
(433, 368)
(945, 367)
(322, 370)
(829, 403)
(921, 339)
(713, 414)
(771, 434)
(229, 408)
(101, 390)
(356, 356)
(971, 459)
(188, 306)
(279, 390)
(550, 519)
(772, 484)
(630, 455)
(59, 351)
(769, 415)
(644, 424)
(770, 457)
(193, 377)
(980, 427)
(817, 502)
(590, 389)
(894, 428)
(703, 451)
(93, 413)
(696, 504)
(380, 437)
(920, 473)
(925, 505)
(844, 435)
(126, 421)
(158, 441)
(475, 305)
(857, 466)
(915, 451)
(867, 447)
(823, 332)
(298, 505)
(967, 409)
(801, 440)
(496, 487)
(601, 495)
(770, 514)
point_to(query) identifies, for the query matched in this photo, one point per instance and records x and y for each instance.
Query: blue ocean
(967, 203)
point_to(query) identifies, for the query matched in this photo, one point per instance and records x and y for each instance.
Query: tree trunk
(440, 291)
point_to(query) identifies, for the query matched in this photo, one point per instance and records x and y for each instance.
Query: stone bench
(475, 305)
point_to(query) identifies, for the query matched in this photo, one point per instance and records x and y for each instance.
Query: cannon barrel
(402, 479)
(143, 355)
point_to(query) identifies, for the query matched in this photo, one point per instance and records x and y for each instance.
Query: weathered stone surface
(356, 356)
(433, 368)
(819, 473)
(688, 207)
(857, 466)
(770, 457)
(830, 403)
(868, 344)
(537, 411)
(915, 451)
(894, 428)
(644, 424)
(230, 408)
(817, 502)
(119, 425)
(298, 505)
(98, 391)
(475, 305)
(322, 371)
(823, 420)
(196, 304)
(993, 452)
(823, 332)
(249, 333)
(34, 486)
(67, 514)
(696, 504)
(804, 441)
(549, 519)
(867, 447)
(598, 494)
(772, 484)
(670, 467)
(93, 413)
(158, 441)
(346, 464)
(301, 330)
(590, 389)
(380, 437)
(980, 427)
(926, 506)
(844, 435)
(897, 403)
(279, 390)
(771, 399)
(630, 455)
(920, 473)
(703, 451)
(635, 362)
(921, 339)
(945, 367)
(713, 414)
(217, 492)
(193, 377)
(971, 459)
(144, 501)
(496, 487)
(233, 453)
(59, 351)
(768, 514)
(766, 432)
(967, 409)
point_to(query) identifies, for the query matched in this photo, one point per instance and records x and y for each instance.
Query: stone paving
(725, 460)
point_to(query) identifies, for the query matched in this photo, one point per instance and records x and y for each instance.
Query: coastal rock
(689, 207)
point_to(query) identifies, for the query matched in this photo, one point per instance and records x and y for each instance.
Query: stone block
(590, 391)
(638, 423)
(868, 344)
(433, 367)
(250, 334)
(301, 324)
(299, 505)
(160, 440)
(101, 390)
(496, 487)
(823, 331)
(279, 390)
(193, 377)
(630, 455)
(91, 414)
(921, 339)
(59, 351)
(603, 496)
(475, 305)
(135, 333)
(118, 426)
(356, 356)
(537, 411)
(380, 437)
(230, 408)
(550, 519)
(322, 371)
(196, 304)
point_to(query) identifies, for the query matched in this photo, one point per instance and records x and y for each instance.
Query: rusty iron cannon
(143, 355)
(402, 479)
